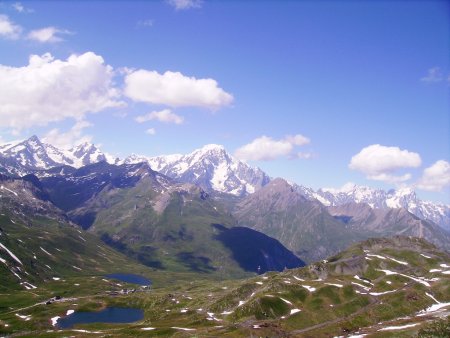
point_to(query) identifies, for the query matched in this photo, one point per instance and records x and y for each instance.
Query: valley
(273, 262)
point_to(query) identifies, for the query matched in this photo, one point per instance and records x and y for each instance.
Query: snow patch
(337, 285)
(381, 293)
(389, 328)
(309, 288)
(286, 301)
(11, 254)
(48, 253)
(182, 328)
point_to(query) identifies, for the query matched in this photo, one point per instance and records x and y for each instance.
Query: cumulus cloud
(436, 177)
(9, 29)
(379, 163)
(70, 138)
(151, 131)
(48, 90)
(165, 116)
(265, 148)
(47, 34)
(185, 4)
(175, 90)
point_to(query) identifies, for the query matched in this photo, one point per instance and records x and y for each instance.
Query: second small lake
(130, 278)
(108, 315)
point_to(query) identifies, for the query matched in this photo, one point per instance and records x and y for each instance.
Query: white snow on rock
(293, 311)
(54, 320)
(377, 256)
(361, 286)
(69, 312)
(11, 254)
(381, 293)
(299, 279)
(362, 279)
(425, 256)
(48, 253)
(286, 301)
(11, 191)
(397, 261)
(435, 270)
(182, 328)
(336, 285)
(24, 317)
(421, 281)
(147, 328)
(444, 266)
(309, 288)
(389, 328)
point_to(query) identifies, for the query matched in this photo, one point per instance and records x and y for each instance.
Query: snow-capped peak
(211, 147)
(404, 197)
(212, 168)
(23, 157)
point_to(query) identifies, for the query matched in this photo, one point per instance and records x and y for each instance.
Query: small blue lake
(130, 278)
(108, 315)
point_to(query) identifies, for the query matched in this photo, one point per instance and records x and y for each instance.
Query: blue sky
(306, 90)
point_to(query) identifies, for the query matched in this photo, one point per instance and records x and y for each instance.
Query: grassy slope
(180, 238)
(267, 300)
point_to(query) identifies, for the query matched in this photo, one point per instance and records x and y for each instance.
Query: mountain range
(214, 170)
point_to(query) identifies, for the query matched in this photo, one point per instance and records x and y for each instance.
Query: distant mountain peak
(30, 155)
(404, 197)
(212, 168)
(212, 147)
(33, 138)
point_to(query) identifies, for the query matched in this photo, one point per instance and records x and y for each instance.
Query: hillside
(374, 288)
(38, 243)
(162, 223)
(313, 231)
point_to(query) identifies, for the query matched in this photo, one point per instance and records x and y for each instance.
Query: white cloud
(436, 177)
(47, 34)
(48, 90)
(433, 75)
(19, 7)
(165, 116)
(265, 148)
(175, 90)
(185, 4)
(379, 163)
(151, 131)
(9, 29)
(68, 139)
